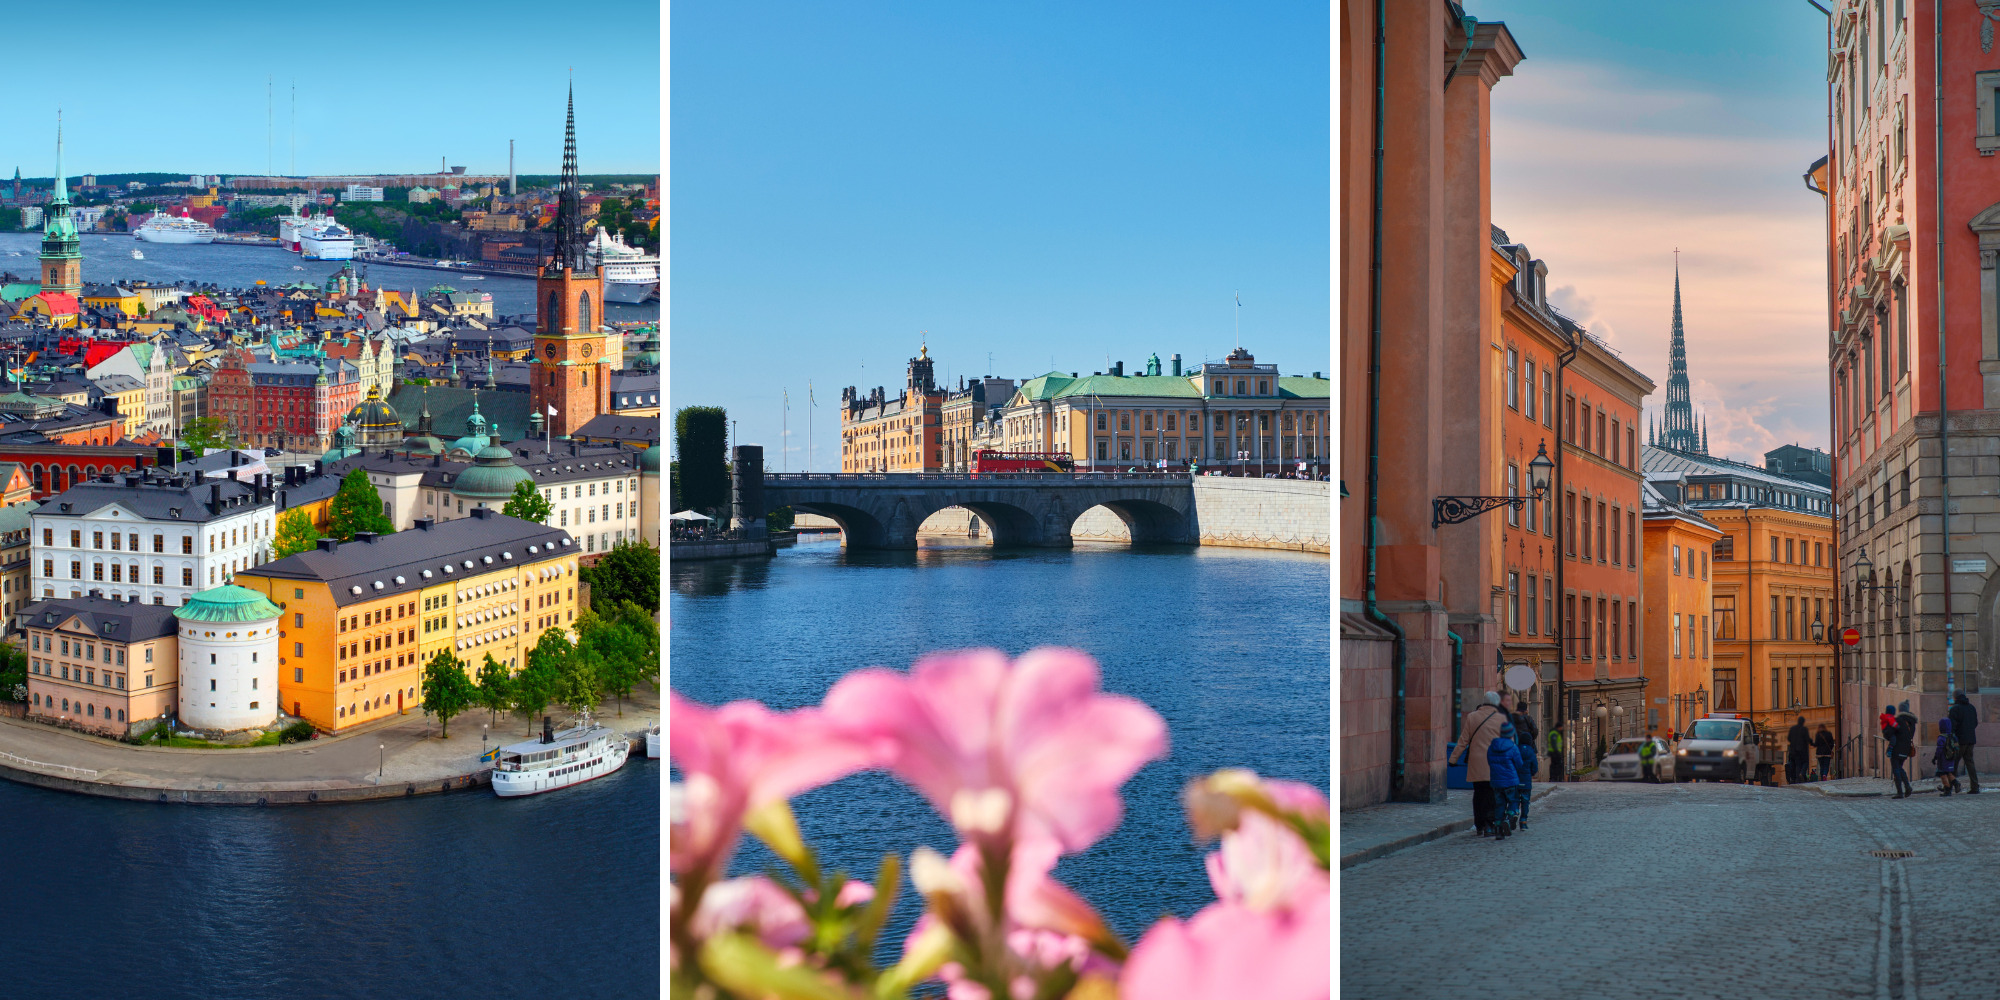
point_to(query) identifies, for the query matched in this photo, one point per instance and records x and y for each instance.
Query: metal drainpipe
(1944, 400)
(1399, 657)
(1457, 682)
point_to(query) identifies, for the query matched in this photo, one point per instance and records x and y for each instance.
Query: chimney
(164, 458)
(318, 467)
(365, 536)
(232, 471)
(329, 544)
(215, 498)
(235, 459)
(200, 477)
(1177, 364)
(548, 730)
(481, 512)
(423, 523)
(131, 481)
(1118, 369)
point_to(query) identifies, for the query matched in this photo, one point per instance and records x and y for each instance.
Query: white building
(150, 538)
(228, 659)
(362, 192)
(31, 216)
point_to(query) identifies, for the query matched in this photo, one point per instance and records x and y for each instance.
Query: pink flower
(741, 756)
(1263, 865)
(853, 894)
(1230, 950)
(1029, 749)
(753, 904)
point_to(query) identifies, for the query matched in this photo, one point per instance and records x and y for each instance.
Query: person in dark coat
(1823, 748)
(1965, 724)
(1945, 758)
(1902, 746)
(1480, 727)
(1798, 747)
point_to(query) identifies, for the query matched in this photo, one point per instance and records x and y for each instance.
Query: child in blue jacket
(1503, 760)
(1529, 764)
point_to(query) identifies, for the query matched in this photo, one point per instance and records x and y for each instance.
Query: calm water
(446, 896)
(1230, 646)
(109, 259)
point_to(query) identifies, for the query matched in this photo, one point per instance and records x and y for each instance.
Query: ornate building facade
(570, 373)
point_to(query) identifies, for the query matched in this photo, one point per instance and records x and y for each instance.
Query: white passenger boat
(136, 255)
(558, 759)
(164, 228)
(653, 742)
(630, 274)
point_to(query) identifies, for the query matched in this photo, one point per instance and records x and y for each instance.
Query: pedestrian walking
(1823, 748)
(1526, 750)
(1503, 767)
(1798, 747)
(1902, 734)
(1945, 758)
(1965, 725)
(1647, 752)
(1556, 768)
(1482, 725)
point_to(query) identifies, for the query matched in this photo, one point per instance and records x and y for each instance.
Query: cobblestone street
(1694, 891)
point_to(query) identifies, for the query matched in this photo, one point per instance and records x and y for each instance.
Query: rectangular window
(1600, 531)
(1725, 690)
(1788, 550)
(1569, 625)
(1533, 598)
(1514, 603)
(1548, 398)
(1775, 692)
(1676, 563)
(1614, 443)
(1774, 633)
(1724, 606)
(1704, 636)
(1704, 565)
(1791, 619)
(1569, 523)
(1527, 391)
(1549, 608)
(1599, 448)
(1513, 490)
(1774, 548)
(1513, 371)
(1600, 628)
(1569, 419)
(1615, 647)
(1987, 87)
(1677, 633)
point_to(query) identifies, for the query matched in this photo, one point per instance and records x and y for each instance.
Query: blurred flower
(1264, 865)
(741, 756)
(1033, 748)
(755, 905)
(1217, 803)
(1231, 950)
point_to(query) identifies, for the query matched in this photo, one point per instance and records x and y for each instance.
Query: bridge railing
(1170, 475)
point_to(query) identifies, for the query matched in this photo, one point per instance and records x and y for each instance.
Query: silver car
(1622, 763)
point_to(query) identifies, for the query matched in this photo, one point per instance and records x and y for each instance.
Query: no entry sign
(1850, 636)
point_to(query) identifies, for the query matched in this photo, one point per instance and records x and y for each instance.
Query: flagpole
(784, 430)
(811, 404)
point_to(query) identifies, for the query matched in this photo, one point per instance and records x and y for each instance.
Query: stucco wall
(1290, 514)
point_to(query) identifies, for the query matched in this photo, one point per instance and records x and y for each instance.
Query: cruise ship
(326, 239)
(558, 759)
(289, 227)
(164, 228)
(630, 274)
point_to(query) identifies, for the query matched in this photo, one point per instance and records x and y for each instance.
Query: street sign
(1850, 636)
(1520, 677)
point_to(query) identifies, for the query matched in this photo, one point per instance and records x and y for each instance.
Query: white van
(1718, 747)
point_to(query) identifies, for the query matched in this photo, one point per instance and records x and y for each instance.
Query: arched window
(75, 475)
(583, 322)
(553, 316)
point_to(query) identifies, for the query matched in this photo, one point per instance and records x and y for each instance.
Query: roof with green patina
(1305, 387)
(227, 603)
(1149, 386)
(16, 291)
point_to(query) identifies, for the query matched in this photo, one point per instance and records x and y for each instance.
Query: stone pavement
(1696, 891)
(405, 749)
(1367, 834)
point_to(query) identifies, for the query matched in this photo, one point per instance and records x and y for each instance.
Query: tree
(535, 686)
(447, 691)
(528, 503)
(629, 572)
(496, 688)
(624, 647)
(296, 533)
(577, 681)
(357, 507)
(204, 433)
(701, 444)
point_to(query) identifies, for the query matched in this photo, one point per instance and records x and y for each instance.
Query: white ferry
(136, 255)
(630, 274)
(289, 227)
(558, 759)
(164, 228)
(326, 240)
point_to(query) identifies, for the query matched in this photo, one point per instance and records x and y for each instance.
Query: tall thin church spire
(1680, 433)
(571, 248)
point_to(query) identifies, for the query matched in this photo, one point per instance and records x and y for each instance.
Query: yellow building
(124, 300)
(363, 617)
(131, 396)
(1678, 606)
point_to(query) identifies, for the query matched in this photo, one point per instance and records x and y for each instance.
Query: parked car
(1719, 747)
(1622, 763)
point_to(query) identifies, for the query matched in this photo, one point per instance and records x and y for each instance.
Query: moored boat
(558, 759)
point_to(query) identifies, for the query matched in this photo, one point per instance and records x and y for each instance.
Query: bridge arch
(1013, 525)
(1147, 521)
(858, 528)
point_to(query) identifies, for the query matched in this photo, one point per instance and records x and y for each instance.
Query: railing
(62, 770)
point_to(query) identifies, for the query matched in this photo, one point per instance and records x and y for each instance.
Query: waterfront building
(99, 663)
(1912, 243)
(1416, 311)
(570, 378)
(363, 617)
(971, 420)
(1679, 637)
(1773, 578)
(149, 537)
(62, 251)
(903, 434)
(229, 659)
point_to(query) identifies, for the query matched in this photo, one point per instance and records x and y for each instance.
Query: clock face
(550, 350)
(586, 350)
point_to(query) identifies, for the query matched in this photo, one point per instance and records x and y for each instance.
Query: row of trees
(612, 654)
(699, 478)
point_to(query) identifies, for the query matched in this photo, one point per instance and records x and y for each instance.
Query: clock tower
(570, 371)
(62, 250)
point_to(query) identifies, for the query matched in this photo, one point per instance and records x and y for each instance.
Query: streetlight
(1455, 510)
(383, 765)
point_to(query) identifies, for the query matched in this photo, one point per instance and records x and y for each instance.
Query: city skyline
(1062, 190)
(1612, 148)
(362, 119)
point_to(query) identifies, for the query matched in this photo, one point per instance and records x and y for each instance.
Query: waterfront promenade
(412, 759)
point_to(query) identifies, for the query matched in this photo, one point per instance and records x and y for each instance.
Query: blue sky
(381, 86)
(1051, 183)
(1622, 135)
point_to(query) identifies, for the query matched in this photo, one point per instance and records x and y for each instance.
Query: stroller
(1945, 758)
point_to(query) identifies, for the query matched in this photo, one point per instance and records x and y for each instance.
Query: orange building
(1677, 604)
(900, 434)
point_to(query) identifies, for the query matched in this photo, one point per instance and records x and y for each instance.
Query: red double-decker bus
(995, 462)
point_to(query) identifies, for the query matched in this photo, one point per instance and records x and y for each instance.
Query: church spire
(62, 184)
(571, 247)
(1680, 434)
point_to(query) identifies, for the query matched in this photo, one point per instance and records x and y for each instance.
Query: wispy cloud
(1603, 173)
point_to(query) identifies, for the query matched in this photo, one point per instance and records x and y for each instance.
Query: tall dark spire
(571, 247)
(1680, 433)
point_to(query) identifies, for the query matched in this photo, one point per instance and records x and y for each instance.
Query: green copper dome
(227, 603)
(377, 422)
(492, 476)
(343, 445)
(649, 460)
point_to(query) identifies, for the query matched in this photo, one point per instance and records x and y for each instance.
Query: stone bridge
(883, 510)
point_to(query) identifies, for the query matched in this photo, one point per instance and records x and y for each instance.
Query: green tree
(358, 507)
(496, 688)
(535, 686)
(629, 572)
(13, 674)
(528, 503)
(296, 533)
(701, 470)
(447, 691)
(577, 672)
(203, 433)
(623, 646)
